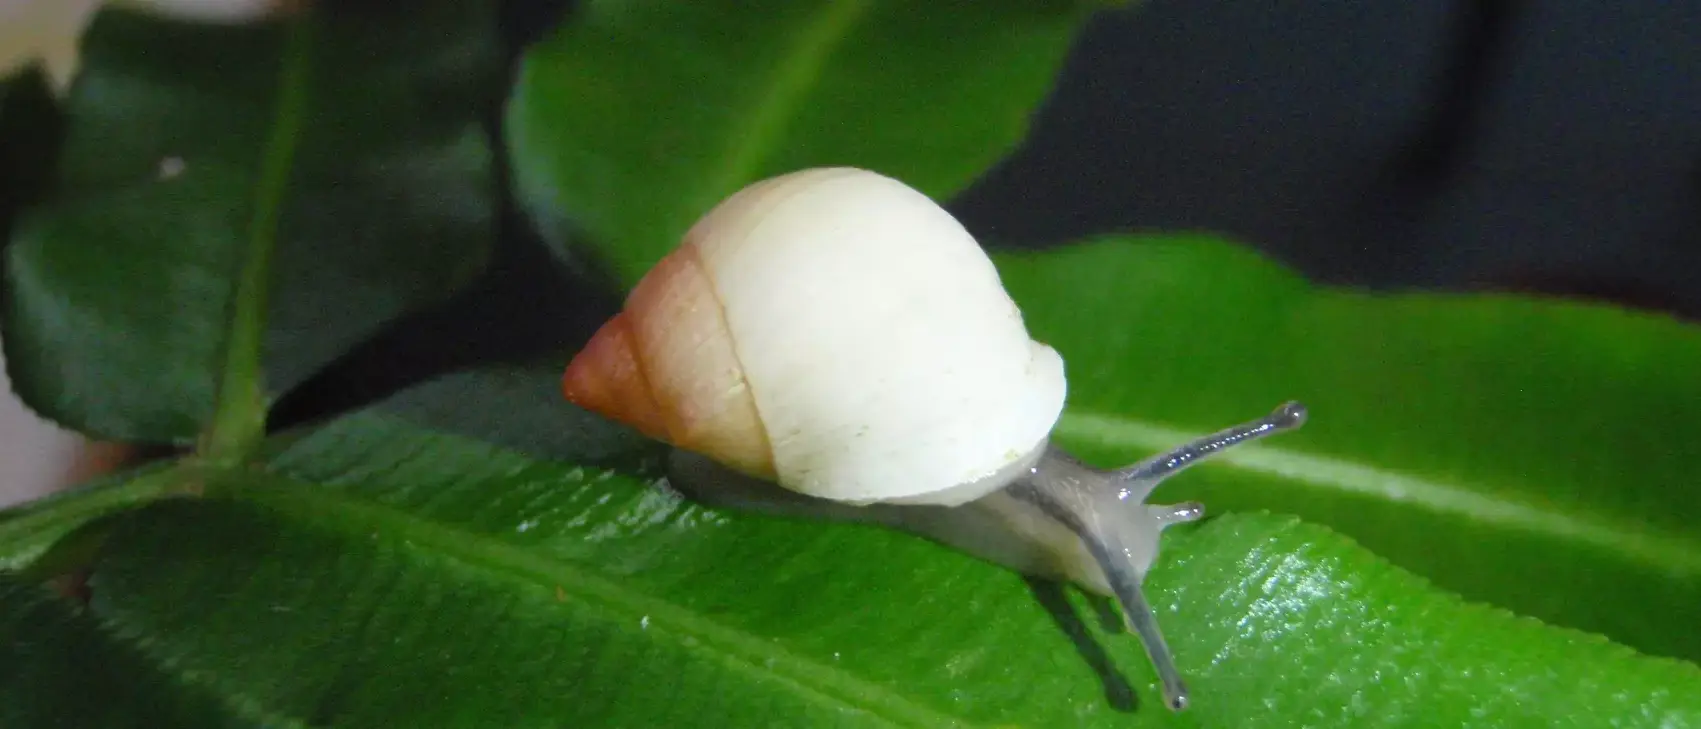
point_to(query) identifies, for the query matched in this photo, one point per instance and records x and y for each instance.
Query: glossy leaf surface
(391, 576)
(636, 118)
(307, 181)
(1536, 454)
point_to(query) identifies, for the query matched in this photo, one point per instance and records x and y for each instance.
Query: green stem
(239, 419)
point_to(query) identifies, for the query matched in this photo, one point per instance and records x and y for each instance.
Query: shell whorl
(838, 333)
(665, 366)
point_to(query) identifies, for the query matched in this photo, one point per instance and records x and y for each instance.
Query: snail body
(832, 343)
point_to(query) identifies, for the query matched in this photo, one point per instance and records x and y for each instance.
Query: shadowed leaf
(349, 141)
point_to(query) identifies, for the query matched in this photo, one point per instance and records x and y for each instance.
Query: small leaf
(391, 576)
(63, 669)
(1535, 454)
(636, 118)
(350, 139)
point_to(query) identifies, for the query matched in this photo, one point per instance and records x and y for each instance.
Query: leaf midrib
(772, 105)
(1661, 549)
(334, 507)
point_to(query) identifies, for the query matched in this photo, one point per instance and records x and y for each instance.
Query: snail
(833, 342)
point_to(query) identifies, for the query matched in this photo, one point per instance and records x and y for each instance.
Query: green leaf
(637, 117)
(384, 575)
(63, 669)
(1535, 454)
(520, 408)
(147, 288)
(30, 530)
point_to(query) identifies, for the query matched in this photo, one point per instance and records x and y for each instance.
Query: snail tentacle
(1140, 478)
(1182, 513)
(1094, 505)
(1063, 491)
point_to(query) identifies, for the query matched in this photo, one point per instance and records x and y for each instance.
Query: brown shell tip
(607, 379)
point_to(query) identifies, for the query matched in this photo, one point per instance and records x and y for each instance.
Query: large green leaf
(384, 575)
(1538, 455)
(349, 141)
(637, 117)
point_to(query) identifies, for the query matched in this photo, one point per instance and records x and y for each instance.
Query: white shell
(871, 332)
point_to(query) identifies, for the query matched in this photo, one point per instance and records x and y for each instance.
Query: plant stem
(239, 418)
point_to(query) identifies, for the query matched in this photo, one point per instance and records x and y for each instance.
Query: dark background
(1551, 146)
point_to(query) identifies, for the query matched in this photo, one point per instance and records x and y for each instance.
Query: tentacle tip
(1176, 700)
(1182, 513)
(1291, 414)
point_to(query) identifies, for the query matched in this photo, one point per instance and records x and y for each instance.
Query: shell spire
(665, 366)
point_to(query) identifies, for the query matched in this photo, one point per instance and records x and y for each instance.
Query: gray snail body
(1059, 520)
(831, 343)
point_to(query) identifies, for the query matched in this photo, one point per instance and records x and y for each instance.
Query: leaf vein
(775, 103)
(323, 505)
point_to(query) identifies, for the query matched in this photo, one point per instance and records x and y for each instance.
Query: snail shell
(838, 333)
